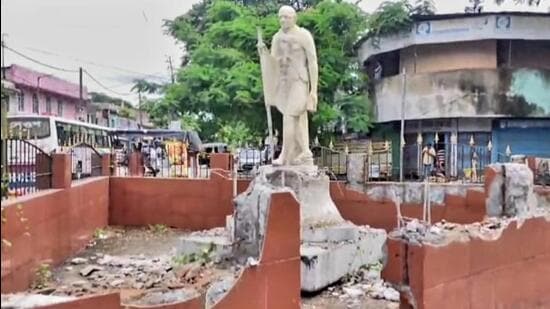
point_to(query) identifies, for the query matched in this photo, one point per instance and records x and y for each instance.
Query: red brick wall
(48, 227)
(273, 283)
(360, 209)
(512, 271)
(194, 204)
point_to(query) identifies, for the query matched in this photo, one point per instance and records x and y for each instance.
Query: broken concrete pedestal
(331, 247)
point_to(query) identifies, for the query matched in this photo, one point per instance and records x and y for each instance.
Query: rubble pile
(168, 278)
(144, 265)
(416, 231)
(364, 283)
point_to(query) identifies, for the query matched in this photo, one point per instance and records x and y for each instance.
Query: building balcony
(491, 93)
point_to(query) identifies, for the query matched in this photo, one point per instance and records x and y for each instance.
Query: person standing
(428, 159)
(153, 159)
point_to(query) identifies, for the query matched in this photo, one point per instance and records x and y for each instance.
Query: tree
(219, 82)
(235, 134)
(98, 97)
(476, 6)
(143, 86)
(190, 123)
(528, 2)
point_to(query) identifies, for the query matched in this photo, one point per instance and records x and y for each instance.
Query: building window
(20, 102)
(48, 105)
(35, 109)
(59, 108)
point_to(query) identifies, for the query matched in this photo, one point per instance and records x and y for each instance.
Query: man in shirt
(428, 159)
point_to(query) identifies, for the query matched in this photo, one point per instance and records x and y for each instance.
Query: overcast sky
(119, 40)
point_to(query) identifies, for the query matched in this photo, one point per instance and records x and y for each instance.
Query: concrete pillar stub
(106, 164)
(61, 171)
(135, 164)
(221, 161)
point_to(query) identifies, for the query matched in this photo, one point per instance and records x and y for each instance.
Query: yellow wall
(449, 56)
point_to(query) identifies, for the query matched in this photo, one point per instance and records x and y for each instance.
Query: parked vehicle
(53, 134)
(248, 159)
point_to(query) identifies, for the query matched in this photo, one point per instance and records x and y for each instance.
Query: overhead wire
(105, 87)
(120, 69)
(109, 89)
(38, 61)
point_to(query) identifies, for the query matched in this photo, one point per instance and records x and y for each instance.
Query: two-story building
(464, 82)
(117, 115)
(44, 94)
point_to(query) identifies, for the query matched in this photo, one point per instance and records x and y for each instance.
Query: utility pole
(81, 103)
(402, 135)
(139, 109)
(171, 69)
(3, 57)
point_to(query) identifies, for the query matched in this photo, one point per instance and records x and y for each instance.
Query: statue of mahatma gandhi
(290, 77)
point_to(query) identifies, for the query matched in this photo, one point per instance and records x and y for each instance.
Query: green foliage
(235, 134)
(103, 98)
(528, 2)
(125, 112)
(143, 86)
(390, 17)
(190, 123)
(204, 257)
(43, 276)
(395, 16)
(219, 83)
(423, 7)
(158, 229)
(100, 233)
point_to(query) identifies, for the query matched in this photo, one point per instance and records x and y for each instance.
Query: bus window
(29, 128)
(61, 134)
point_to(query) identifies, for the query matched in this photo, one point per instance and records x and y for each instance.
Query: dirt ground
(142, 263)
(327, 301)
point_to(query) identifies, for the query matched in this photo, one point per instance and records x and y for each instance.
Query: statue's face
(287, 18)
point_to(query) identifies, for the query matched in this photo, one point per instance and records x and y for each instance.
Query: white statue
(290, 77)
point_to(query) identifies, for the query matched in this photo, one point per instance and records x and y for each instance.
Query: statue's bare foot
(277, 162)
(305, 158)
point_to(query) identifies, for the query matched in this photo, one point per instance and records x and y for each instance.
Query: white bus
(53, 134)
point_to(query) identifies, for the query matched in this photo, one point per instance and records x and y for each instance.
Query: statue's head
(287, 17)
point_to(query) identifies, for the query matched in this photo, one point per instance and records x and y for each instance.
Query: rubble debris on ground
(356, 290)
(441, 233)
(23, 300)
(140, 263)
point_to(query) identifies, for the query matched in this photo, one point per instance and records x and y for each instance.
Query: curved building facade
(465, 83)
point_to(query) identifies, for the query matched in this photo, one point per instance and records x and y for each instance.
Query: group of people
(433, 161)
(152, 154)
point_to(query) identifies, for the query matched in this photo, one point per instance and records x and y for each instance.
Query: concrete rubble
(25, 300)
(151, 277)
(511, 192)
(365, 282)
(331, 247)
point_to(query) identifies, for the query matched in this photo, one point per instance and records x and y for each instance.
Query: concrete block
(326, 263)
(218, 290)
(356, 168)
(511, 191)
(335, 233)
(230, 227)
(222, 245)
